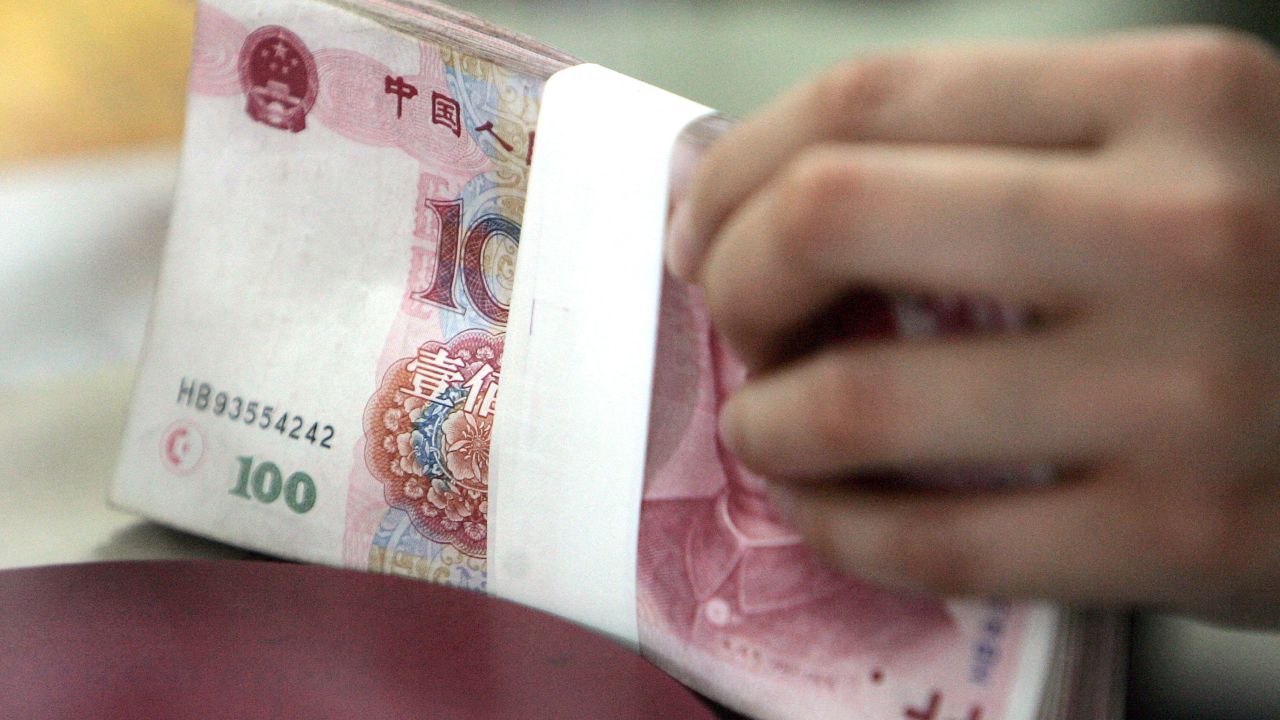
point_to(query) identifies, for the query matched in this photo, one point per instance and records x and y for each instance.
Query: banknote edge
(448, 27)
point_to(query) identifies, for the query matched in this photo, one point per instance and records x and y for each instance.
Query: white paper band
(567, 466)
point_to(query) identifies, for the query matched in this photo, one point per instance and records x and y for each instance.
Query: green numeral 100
(267, 484)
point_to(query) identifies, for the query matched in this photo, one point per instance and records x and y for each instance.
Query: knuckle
(853, 95)
(812, 186)
(1186, 392)
(1204, 404)
(1215, 70)
(924, 546)
(1190, 406)
(1209, 46)
(1208, 235)
(1198, 535)
(848, 410)
(1230, 233)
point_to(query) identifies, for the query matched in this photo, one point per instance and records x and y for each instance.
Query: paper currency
(325, 356)
(732, 601)
(382, 175)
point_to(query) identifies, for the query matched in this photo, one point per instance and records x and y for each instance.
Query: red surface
(269, 640)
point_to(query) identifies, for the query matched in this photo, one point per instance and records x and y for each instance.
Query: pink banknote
(733, 603)
(417, 493)
(730, 600)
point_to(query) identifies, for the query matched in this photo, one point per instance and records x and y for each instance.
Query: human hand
(1128, 190)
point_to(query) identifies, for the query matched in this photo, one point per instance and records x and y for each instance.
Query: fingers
(1092, 540)
(690, 146)
(1016, 226)
(1112, 190)
(994, 401)
(1016, 95)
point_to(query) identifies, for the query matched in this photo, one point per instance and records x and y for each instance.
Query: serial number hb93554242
(202, 396)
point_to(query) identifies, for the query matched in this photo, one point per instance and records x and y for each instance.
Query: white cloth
(80, 248)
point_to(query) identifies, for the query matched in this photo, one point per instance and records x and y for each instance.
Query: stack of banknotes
(358, 263)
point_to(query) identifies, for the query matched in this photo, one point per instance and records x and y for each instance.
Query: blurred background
(91, 106)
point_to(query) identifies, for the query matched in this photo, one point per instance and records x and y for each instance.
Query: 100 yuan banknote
(326, 359)
(335, 292)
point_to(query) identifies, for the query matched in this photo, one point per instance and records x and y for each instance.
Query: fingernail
(680, 249)
(685, 157)
(684, 248)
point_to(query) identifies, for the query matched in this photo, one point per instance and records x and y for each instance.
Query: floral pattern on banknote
(418, 495)
(398, 549)
(427, 432)
(418, 490)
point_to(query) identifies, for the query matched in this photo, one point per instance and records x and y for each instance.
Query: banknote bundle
(389, 211)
